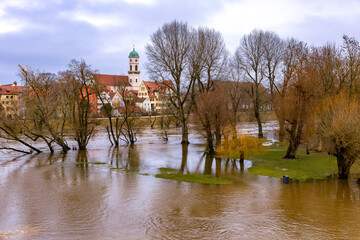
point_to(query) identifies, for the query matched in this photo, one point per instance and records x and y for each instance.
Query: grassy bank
(313, 166)
(169, 173)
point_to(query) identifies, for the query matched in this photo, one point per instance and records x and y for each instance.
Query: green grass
(193, 178)
(313, 166)
(165, 170)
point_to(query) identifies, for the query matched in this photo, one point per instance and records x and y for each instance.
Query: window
(130, 60)
(142, 89)
(135, 78)
(130, 67)
(11, 96)
(7, 96)
(135, 60)
(7, 102)
(130, 80)
(136, 67)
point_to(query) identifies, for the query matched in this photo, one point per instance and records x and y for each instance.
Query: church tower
(134, 71)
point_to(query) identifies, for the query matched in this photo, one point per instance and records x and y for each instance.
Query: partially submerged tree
(338, 126)
(80, 83)
(45, 108)
(114, 126)
(168, 58)
(207, 63)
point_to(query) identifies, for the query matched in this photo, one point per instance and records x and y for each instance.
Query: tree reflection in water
(129, 161)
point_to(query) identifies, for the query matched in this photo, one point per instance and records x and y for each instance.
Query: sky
(47, 34)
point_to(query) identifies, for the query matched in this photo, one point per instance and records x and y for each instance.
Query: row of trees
(299, 81)
(55, 108)
(312, 91)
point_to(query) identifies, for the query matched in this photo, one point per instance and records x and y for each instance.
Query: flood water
(48, 196)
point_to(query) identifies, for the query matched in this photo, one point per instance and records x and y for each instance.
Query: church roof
(111, 80)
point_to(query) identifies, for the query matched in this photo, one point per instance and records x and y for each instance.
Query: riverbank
(313, 166)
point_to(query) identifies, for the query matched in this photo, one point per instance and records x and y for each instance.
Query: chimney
(15, 83)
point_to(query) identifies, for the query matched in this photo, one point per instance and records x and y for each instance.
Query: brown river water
(48, 196)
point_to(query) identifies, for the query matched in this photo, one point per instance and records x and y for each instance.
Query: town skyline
(46, 36)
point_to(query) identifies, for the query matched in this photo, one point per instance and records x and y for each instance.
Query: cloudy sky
(47, 34)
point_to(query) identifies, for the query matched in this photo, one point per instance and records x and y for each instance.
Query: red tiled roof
(11, 90)
(111, 94)
(111, 80)
(161, 87)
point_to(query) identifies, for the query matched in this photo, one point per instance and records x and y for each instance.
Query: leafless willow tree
(302, 94)
(168, 58)
(339, 120)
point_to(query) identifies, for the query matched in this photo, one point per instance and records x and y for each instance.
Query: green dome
(133, 53)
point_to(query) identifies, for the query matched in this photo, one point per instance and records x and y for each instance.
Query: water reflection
(62, 196)
(127, 158)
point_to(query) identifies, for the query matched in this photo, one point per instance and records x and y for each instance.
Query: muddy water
(55, 197)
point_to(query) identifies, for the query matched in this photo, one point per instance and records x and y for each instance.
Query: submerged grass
(170, 173)
(313, 166)
(193, 178)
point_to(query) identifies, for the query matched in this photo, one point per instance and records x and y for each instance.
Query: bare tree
(129, 126)
(113, 128)
(168, 58)
(249, 57)
(290, 59)
(300, 99)
(80, 83)
(11, 130)
(327, 60)
(44, 108)
(207, 63)
(351, 64)
(273, 47)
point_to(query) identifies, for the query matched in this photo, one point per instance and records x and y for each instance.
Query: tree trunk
(208, 164)
(293, 146)
(281, 130)
(258, 119)
(294, 141)
(185, 133)
(218, 135)
(184, 157)
(242, 157)
(344, 165)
